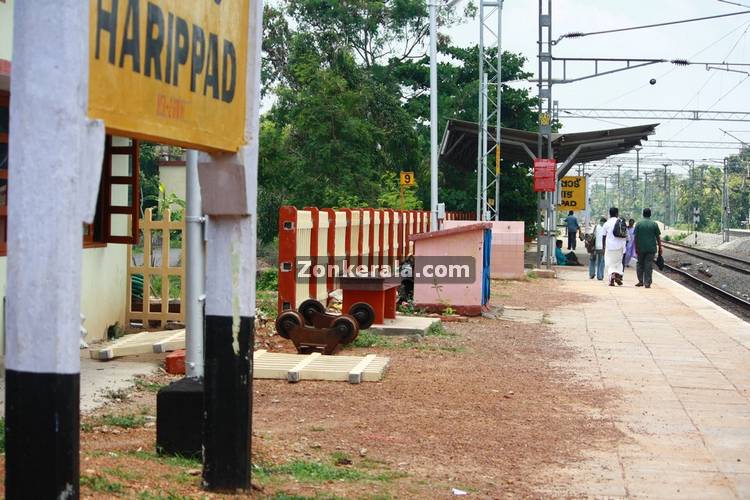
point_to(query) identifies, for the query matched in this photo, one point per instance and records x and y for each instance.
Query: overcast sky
(693, 87)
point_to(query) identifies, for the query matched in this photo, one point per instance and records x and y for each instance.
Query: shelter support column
(56, 153)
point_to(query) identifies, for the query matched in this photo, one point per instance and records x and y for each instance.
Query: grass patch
(146, 385)
(125, 475)
(147, 495)
(368, 339)
(438, 330)
(341, 458)
(172, 460)
(317, 472)
(532, 275)
(101, 484)
(124, 421)
(2, 434)
(287, 496)
(417, 345)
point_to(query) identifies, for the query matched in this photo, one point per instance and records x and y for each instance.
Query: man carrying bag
(647, 241)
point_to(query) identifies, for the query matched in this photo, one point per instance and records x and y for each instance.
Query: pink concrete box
(507, 247)
(446, 247)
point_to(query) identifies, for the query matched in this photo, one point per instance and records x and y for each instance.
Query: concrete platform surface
(680, 367)
(404, 325)
(98, 378)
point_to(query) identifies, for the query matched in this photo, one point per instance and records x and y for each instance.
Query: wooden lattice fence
(156, 276)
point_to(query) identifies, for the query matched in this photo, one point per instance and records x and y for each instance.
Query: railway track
(729, 299)
(726, 261)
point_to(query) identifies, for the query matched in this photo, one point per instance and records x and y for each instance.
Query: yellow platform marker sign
(170, 70)
(573, 193)
(407, 179)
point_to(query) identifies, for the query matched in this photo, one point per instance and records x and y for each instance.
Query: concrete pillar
(229, 186)
(56, 157)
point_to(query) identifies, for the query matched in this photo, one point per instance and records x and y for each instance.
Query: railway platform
(679, 368)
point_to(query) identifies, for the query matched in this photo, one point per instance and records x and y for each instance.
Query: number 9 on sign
(407, 179)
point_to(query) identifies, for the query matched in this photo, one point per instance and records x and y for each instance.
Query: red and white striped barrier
(363, 236)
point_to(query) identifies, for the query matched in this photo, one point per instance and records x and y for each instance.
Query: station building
(104, 281)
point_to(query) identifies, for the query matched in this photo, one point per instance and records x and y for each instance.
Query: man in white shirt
(614, 249)
(596, 253)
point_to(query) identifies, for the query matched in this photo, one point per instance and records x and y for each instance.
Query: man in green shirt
(647, 241)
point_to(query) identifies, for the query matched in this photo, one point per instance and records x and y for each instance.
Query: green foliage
(171, 460)
(160, 495)
(368, 339)
(124, 421)
(438, 330)
(390, 196)
(115, 331)
(123, 474)
(700, 187)
(101, 484)
(2, 434)
(268, 280)
(318, 472)
(146, 385)
(351, 81)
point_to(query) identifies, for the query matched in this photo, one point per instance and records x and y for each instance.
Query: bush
(268, 280)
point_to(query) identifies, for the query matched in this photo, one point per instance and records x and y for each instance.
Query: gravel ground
(484, 408)
(739, 246)
(726, 279)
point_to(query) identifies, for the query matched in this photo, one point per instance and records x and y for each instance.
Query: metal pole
(195, 270)
(485, 132)
(56, 156)
(433, 118)
(480, 121)
(725, 208)
(540, 196)
(619, 190)
(498, 126)
(550, 153)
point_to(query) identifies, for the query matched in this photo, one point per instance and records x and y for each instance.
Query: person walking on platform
(647, 243)
(630, 247)
(615, 240)
(571, 223)
(595, 246)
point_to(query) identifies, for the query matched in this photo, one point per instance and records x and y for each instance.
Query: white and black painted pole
(56, 155)
(229, 192)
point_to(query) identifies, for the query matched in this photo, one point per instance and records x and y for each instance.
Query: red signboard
(545, 174)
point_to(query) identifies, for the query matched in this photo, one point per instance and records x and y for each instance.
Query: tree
(351, 109)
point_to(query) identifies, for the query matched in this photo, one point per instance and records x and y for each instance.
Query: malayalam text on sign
(573, 193)
(170, 70)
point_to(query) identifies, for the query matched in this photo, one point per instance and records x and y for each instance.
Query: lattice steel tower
(490, 98)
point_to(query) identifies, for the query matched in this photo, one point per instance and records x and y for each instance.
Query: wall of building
(174, 179)
(104, 274)
(6, 29)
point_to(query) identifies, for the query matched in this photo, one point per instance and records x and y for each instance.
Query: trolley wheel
(288, 321)
(308, 308)
(346, 329)
(363, 313)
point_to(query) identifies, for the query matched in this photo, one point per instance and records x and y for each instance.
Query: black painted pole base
(227, 404)
(179, 418)
(42, 424)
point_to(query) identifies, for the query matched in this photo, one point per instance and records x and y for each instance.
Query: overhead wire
(723, 96)
(674, 67)
(579, 34)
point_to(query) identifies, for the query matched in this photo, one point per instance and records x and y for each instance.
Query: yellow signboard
(573, 193)
(170, 70)
(407, 179)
